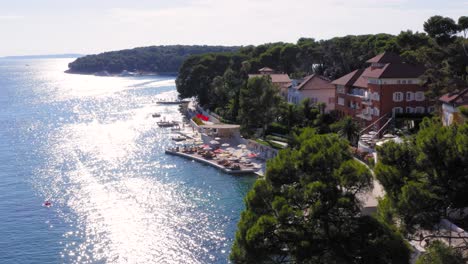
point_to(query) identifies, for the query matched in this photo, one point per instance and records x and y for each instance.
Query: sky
(32, 27)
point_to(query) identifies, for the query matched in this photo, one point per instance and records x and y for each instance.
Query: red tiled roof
(361, 82)
(311, 77)
(394, 70)
(359, 78)
(349, 78)
(275, 77)
(386, 57)
(452, 97)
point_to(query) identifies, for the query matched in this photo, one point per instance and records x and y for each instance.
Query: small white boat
(166, 123)
(179, 138)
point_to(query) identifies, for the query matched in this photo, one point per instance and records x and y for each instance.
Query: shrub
(277, 128)
(198, 121)
(463, 110)
(370, 160)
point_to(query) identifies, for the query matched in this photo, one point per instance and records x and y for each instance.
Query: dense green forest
(154, 59)
(216, 79)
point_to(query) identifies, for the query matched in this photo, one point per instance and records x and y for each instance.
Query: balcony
(365, 114)
(365, 117)
(359, 95)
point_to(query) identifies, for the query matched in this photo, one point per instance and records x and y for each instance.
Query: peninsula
(143, 60)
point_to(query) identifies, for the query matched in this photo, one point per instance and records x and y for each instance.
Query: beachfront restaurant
(223, 131)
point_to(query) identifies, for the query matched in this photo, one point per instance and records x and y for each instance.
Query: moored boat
(166, 123)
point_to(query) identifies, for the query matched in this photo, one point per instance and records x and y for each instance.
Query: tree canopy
(438, 253)
(306, 210)
(425, 178)
(258, 103)
(442, 51)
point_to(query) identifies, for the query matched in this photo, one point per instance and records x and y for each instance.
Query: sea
(90, 147)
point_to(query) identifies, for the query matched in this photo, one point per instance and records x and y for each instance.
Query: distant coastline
(153, 60)
(123, 73)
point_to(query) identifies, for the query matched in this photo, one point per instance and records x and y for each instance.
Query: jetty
(242, 169)
(174, 102)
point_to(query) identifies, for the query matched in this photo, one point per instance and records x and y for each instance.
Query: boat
(179, 138)
(126, 73)
(167, 123)
(156, 115)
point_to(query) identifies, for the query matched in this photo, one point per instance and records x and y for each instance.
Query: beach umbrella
(217, 138)
(214, 142)
(241, 146)
(207, 148)
(225, 145)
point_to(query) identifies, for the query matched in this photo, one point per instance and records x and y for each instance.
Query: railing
(371, 125)
(355, 94)
(384, 126)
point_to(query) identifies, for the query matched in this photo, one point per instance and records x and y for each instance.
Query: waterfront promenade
(242, 168)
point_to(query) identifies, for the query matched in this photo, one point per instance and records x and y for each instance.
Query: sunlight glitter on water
(124, 216)
(100, 173)
(91, 146)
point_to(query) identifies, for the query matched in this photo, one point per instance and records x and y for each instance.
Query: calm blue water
(90, 145)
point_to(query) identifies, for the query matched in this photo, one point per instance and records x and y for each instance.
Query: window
(366, 111)
(409, 96)
(410, 81)
(340, 100)
(419, 110)
(397, 110)
(397, 97)
(399, 82)
(409, 110)
(375, 96)
(340, 89)
(331, 100)
(376, 111)
(419, 96)
(430, 109)
(403, 82)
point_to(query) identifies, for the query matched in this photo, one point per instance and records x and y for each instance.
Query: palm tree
(348, 129)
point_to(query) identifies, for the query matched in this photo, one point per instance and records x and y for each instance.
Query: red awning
(203, 117)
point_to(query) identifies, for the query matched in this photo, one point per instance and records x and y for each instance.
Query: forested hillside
(216, 79)
(154, 59)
